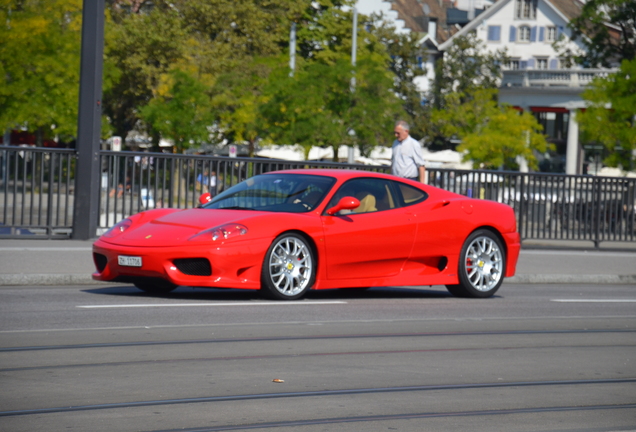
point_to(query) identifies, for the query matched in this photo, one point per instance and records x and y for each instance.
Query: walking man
(407, 160)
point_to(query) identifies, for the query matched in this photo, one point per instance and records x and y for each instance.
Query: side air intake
(194, 266)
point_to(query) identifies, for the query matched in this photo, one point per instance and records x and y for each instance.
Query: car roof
(340, 174)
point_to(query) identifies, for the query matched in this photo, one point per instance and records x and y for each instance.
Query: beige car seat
(367, 203)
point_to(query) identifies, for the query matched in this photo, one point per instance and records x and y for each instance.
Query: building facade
(538, 78)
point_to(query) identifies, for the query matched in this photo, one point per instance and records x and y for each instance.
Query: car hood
(174, 228)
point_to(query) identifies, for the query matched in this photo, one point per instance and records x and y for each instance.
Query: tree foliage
(610, 118)
(236, 99)
(181, 112)
(214, 60)
(492, 136)
(406, 65)
(466, 77)
(606, 45)
(319, 107)
(467, 67)
(39, 65)
(205, 38)
(140, 50)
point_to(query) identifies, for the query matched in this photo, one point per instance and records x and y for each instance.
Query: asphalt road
(110, 358)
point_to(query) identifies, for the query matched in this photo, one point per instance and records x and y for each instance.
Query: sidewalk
(70, 262)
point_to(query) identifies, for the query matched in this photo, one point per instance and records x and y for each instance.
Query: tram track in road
(309, 338)
(514, 364)
(318, 393)
(408, 416)
(303, 355)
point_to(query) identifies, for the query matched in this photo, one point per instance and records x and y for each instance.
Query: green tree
(236, 98)
(39, 65)
(610, 118)
(140, 50)
(467, 67)
(325, 30)
(406, 60)
(492, 136)
(182, 113)
(319, 107)
(605, 46)
(206, 38)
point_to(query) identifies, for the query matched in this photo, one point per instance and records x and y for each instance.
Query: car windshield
(294, 193)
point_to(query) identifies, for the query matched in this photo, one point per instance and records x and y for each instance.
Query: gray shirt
(407, 158)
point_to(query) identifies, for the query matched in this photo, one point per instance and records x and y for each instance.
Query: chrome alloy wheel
(290, 266)
(483, 263)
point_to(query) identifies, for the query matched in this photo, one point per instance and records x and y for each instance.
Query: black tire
(289, 269)
(155, 287)
(482, 265)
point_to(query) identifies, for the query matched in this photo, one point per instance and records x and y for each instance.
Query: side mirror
(345, 203)
(205, 198)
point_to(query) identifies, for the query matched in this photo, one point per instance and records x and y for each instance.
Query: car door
(372, 241)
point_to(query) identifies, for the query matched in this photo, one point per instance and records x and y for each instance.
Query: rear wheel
(289, 269)
(155, 287)
(482, 264)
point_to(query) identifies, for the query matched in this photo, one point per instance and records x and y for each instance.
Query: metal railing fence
(554, 206)
(36, 191)
(136, 181)
(37, 185)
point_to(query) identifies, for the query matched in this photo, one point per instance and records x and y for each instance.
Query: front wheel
(482, 264)
(289, 269)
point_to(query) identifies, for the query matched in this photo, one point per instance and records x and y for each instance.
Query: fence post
(49, 200)
(597, 213)
(522, 206)
(89, 122)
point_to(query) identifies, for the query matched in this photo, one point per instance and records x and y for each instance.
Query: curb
(572, 279)
(86, 279)
(47, 279)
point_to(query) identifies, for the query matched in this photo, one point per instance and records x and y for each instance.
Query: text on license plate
(129, 261)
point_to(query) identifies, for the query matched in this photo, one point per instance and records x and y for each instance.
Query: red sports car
(287, 232)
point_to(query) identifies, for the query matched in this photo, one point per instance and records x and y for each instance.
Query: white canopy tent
(378, 156)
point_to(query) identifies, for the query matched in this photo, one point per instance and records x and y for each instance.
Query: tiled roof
(412, 12)
(570, 8)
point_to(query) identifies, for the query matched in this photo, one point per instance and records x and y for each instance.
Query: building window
(513, 64)
(494, 33)
(555, 126)
(550, 34)
(542, 63)
(524, 34)
(526, 9)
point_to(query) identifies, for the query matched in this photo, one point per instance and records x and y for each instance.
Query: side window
(374, 195)
(411, 195)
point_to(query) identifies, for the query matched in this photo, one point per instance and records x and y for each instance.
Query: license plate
(129, 261)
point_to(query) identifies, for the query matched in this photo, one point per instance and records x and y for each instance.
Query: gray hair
(402, 124)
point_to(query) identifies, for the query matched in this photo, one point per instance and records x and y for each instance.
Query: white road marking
(594, 300)
(150, 305)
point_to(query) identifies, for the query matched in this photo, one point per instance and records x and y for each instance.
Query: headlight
(118, 228)
(222, 232)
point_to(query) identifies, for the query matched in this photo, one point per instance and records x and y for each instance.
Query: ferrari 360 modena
(287, 232)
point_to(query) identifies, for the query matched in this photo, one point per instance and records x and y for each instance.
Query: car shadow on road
(215, 294)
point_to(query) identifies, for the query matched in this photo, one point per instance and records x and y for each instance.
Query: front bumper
(235, 265)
